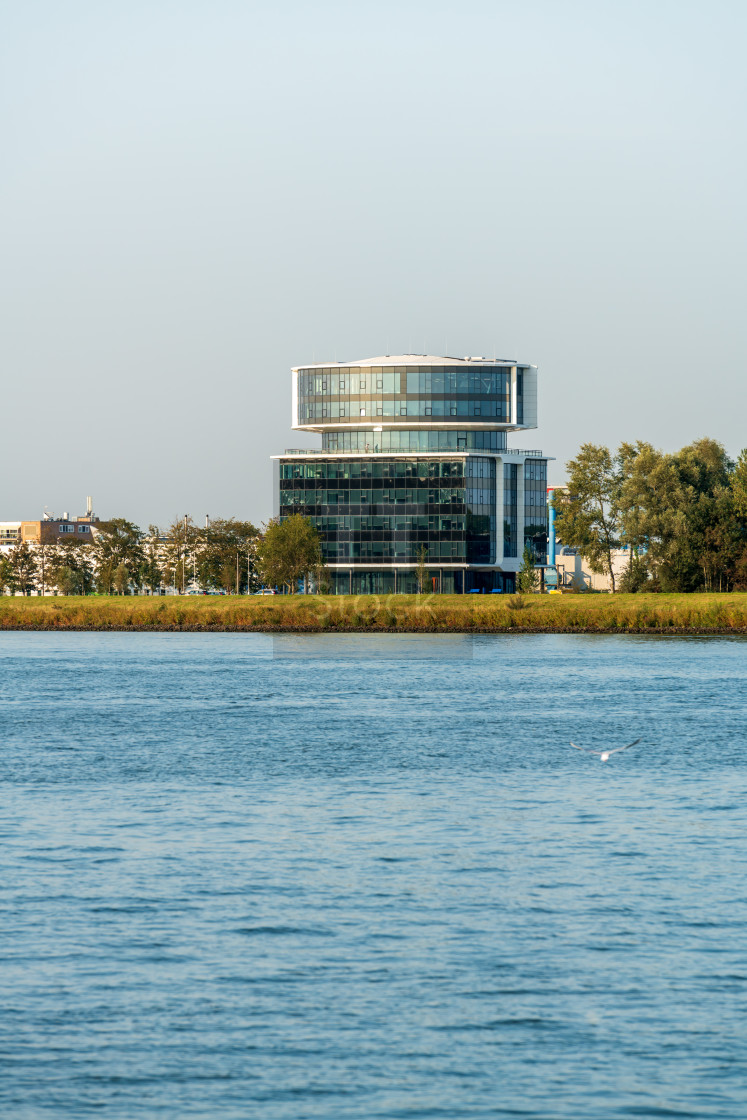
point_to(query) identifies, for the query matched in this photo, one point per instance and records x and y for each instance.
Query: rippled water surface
(353, 877)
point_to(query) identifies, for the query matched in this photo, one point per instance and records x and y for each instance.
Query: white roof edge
(416, 360)
(317, 454)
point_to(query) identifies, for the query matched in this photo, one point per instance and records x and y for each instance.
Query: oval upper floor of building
(407, 389)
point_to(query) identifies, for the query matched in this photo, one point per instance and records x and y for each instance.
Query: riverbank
(483, 614)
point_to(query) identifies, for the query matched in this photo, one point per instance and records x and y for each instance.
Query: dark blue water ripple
(368, 878)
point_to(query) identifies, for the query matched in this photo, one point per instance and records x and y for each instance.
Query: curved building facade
(414, 463)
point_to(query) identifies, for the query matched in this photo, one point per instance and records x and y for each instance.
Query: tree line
(682, 515)
(227, 555)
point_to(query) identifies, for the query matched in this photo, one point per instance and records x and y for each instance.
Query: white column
(294, 398)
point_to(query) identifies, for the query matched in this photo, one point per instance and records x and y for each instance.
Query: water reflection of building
(414, 457)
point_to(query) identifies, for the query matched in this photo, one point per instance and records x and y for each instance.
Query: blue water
(353, 877)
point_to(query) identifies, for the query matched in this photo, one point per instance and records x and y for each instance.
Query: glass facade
(480, 506)
(390, 509)
(535, 507)
(429, 394)
(383, 581)
(510, 509)
(370, 442)
(385, 509)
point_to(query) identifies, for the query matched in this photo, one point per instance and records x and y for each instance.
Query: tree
(7, 576)
(225, 547)
(679, 510)
(105, 570)
(178, 552)
(66, 581)
(229, 575)
(586, 513)
(528, 577)
(739, 504)
(421, 569)
(683, 515)
(151, 572)
(635, 462)
(70, 567)
(211, 557)
(45, 554)
(697, 548)
(24, 567)
(288, 551)
(740, 571)
(122, 578)
(118, 541)
(172, 549)
(322, 577)
(635, 577)
(739, 485)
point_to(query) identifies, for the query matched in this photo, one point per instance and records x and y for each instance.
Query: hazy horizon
(197, 198)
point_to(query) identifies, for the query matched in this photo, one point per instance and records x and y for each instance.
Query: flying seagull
(604, 755)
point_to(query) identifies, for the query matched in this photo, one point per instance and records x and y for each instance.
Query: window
(363, 412)
(67, 528)
(83, 529)
(342, 410)
(403, 410)
(342, 386)
(379, 382)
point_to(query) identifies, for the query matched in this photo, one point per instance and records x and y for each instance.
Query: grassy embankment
(657, 614)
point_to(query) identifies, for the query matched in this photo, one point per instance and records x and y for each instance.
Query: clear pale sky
(196, 196)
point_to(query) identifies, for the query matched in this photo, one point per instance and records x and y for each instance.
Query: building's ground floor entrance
(404, 581)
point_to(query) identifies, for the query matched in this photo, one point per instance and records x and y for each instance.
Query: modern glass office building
(414, 461)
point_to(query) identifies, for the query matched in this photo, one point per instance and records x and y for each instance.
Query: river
(355, 877)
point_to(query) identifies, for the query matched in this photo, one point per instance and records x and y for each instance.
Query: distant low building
(10, 534)
(49, 530)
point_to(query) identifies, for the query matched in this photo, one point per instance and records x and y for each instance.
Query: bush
(635, 577)
(528, 577)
